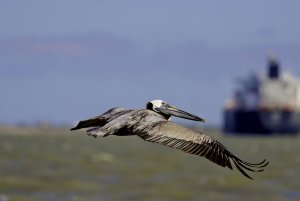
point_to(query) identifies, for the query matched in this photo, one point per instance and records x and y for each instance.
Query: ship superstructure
(264, 103)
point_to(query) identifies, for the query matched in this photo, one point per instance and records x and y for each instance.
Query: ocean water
(70, 166)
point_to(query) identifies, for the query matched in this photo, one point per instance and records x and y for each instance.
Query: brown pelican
(152, 124)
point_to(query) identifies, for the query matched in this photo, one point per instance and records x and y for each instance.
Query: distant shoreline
(32, 130)
(46, 129)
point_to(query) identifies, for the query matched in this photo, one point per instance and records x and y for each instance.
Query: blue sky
(61, 61)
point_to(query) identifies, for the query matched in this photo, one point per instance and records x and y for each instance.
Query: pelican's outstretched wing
(100, 120)
(193, 142)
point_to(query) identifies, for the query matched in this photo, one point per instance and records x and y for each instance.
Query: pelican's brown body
(155, 127)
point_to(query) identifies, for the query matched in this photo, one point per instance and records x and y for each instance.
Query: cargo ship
(264, 104)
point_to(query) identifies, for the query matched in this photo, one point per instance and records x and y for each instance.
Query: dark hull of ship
(261, 122)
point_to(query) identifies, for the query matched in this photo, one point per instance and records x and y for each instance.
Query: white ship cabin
(273, 91)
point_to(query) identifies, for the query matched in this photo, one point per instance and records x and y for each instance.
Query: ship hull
(261, 122)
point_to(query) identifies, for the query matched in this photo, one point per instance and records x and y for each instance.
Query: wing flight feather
(193, 142)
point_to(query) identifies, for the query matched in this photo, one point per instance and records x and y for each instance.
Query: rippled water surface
(60, 165)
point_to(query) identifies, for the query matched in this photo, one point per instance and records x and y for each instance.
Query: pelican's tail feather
(89, 123)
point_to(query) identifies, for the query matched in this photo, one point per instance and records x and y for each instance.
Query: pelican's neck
(167, 117)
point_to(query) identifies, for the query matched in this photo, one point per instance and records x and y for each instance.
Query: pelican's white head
(167, 110)
(152, 105)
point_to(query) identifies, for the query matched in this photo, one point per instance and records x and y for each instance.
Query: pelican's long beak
(173, 111)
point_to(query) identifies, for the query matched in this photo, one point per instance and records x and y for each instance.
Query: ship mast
(273, 68)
